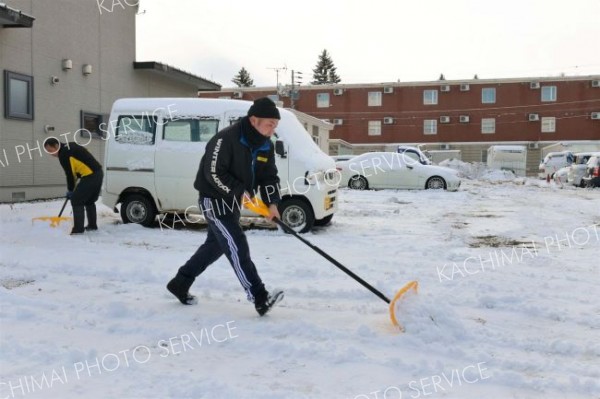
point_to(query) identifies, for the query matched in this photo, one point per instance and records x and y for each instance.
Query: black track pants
(85, 195)
(225, 236)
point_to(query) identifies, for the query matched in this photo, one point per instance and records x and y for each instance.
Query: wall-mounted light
(48, 128)
(67, 64)
(54, 80)
(86, 69)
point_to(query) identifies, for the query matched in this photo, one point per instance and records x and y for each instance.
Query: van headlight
(333, 177)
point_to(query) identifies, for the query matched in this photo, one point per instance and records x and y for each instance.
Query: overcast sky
(372, 41)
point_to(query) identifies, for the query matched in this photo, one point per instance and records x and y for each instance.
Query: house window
(91, 125)
(488, 95)
(548, 93)
(488, 125)
(315, 135)
(18, 96)
(430, 125)
(374, 99)
(430, 97)
(190, 130)
(136, 129)
(322, 100)
(374, 128)
(548, 124)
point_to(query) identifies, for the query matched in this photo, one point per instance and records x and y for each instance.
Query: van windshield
(301, 143)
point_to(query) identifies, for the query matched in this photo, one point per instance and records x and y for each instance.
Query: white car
(553, 161)
(577, 170)
(415, 153)
(561, 176)
(341, 158)
(380, 170)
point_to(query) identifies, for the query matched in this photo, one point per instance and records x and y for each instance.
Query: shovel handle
(261, 208)
(343, 268)
(63, 207)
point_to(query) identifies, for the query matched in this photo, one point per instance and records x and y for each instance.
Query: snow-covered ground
(507, 271)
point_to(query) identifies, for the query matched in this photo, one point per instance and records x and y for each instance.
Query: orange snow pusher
(54, 220)
(259, 207)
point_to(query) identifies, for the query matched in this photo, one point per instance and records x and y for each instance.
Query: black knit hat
(264, 108)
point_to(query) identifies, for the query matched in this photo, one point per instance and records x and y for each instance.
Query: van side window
(190, 130)
(136, 129)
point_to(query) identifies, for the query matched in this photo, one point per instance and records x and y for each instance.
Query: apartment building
(463, 115)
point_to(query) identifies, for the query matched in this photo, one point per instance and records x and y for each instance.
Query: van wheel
(435, 183)
(138, 209)
(297, 215)
(325, 221)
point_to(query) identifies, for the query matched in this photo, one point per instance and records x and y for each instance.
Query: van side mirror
(280, 149)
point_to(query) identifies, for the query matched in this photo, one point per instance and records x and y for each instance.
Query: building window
(374, 99)
(18, 96)
(315, 134)
(548, 93)
(488, 95)
(91, 125)
(190, 130)
(430, 97)
(374, 128)
(488, 125)
(430, 125)
(322, 100)
(548, 124)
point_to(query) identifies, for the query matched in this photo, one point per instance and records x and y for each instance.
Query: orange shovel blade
(414, 285)
(257, 206)
(54, 220)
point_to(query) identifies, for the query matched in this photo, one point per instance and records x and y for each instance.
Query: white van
(553, 161)
(508, 157)
(154, 147)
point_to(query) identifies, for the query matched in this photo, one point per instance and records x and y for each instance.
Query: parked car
(592, 177)
(553, 161)
(380, 170)
(578, 167)
(561, 176)
(415, 153)
(341, 158)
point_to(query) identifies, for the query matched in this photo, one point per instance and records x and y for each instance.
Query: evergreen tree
(325, 71)
(243, 79)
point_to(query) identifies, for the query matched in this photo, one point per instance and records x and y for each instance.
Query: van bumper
(329, 205)
(110, 200)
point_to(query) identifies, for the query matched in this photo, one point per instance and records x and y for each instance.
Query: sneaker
(271, 300)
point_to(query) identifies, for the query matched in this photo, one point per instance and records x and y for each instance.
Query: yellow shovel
(54, 220)
(259, 207)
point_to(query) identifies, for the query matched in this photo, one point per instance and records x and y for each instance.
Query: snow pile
(480, 171)
(497, 176)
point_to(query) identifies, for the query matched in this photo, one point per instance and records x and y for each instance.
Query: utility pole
(294, 94)
(277, 69)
